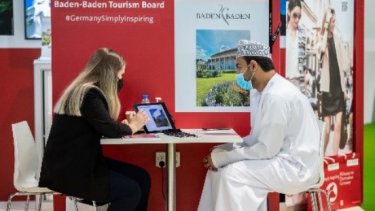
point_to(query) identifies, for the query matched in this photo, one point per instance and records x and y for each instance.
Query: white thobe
(281, 153)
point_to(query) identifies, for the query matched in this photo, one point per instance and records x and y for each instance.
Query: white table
(203, 136)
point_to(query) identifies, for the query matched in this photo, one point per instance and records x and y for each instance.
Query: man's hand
(207, 162)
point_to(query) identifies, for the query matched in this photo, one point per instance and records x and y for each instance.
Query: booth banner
(319, 61)
(342, 181)
(138, 30)
(207, 33)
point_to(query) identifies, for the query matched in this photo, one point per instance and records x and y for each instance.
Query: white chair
(26, 166)
(315, 191)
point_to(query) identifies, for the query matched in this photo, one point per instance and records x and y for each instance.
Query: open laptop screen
(159, 117)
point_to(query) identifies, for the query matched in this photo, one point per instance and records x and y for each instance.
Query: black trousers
(129, 187)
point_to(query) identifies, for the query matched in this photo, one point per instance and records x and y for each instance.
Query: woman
(332, 80)
(73, 162)
(295, 39)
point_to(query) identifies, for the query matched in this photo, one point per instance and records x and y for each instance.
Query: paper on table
(143, 135)
(217, 131)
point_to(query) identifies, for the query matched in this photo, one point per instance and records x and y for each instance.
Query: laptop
(160, 120)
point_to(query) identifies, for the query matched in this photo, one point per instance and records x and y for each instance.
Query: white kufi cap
(252, 48)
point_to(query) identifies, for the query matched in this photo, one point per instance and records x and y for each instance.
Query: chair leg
(314, 204)
(75, 203)
(9, 203)
(40, 199)
(38, 206)
(320, 205)
(94, 204)
(326, 193)
(27, 203)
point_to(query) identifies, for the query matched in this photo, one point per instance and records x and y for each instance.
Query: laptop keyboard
(178, 133)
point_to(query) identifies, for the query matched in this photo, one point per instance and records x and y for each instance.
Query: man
(280, 154)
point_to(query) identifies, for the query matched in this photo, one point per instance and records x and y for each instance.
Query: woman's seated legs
(129, 187)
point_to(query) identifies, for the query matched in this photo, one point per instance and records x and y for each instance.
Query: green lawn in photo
(205, 84)
(369, 167)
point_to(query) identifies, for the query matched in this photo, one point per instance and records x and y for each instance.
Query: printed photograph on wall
(216, 83)
(37, 14)
(206, 38)
(6, 17)
(319, 61)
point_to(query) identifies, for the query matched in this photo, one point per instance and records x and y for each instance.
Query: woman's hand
(136, 121)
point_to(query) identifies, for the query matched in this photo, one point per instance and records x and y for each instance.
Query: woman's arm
(95, 110)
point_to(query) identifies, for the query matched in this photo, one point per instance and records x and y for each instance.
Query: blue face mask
(241, 82)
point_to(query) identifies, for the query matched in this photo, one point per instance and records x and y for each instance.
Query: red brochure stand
(342, 181)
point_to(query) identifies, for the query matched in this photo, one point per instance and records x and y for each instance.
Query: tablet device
(159, 118)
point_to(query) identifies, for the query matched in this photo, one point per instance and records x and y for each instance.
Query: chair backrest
(26, 161)
(322, 129)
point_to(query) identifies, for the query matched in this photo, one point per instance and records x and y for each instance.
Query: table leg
(171, 165)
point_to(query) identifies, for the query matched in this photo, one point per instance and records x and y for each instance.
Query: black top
(73, 161)
(333, 101)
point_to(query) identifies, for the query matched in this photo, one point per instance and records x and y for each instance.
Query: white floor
(47, 206)
(353, 209)
(20, 205)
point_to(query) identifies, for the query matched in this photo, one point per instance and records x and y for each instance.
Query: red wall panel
(16, 104)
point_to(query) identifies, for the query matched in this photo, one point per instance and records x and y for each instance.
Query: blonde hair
(323, 29)
(100, 72)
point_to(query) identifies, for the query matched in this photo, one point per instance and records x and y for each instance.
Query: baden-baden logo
(223, 14)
